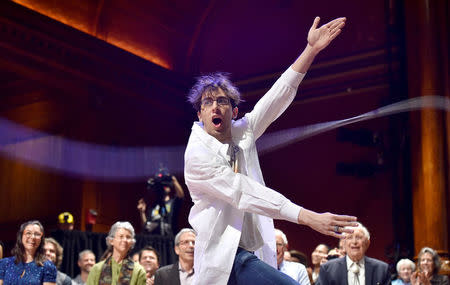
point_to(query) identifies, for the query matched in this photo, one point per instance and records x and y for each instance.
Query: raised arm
(318, 39)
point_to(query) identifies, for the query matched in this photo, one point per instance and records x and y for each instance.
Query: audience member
(118, 267)
(149, 259)
(341, 248)
(319, 253)
(2, 249)
(65, 221)
(181, 272)
(54, 253)
(161, 218)
(86, 259)
(429, 264)
(405, 268)
(295, 270)
(28, 265)
(298, 256)
(355, 268)
(135, 257)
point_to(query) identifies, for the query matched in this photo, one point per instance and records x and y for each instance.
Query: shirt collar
(349, 262)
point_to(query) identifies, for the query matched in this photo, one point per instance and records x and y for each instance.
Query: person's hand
(420, 278)
(327, 223)
(142, 206)
(320, 38)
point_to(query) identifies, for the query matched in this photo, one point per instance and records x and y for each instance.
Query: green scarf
(125, 272)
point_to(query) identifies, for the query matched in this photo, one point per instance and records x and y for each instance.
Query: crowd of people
(233, 240)
(36, 260)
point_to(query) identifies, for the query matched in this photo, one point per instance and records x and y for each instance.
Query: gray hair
(436, 258)
(86, 251)
(120, 225)
(283, 236)
(185, 230)
(211, 83)
(363, 228)
(407, 262)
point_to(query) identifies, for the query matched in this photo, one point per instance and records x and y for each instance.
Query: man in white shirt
(295, 270)
(355, 268)
(233, 209)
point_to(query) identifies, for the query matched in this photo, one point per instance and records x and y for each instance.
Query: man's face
(356, 244)
(149, 261)
(426, 262)
(185, 249)
(319, 253)
(86, 262)
(281, 248)
(217, 117)
(50, 251)
(405, 273)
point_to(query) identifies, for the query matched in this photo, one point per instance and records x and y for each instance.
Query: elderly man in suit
(355, 268)
(181, 272)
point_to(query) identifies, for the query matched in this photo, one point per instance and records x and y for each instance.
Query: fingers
(315, 23)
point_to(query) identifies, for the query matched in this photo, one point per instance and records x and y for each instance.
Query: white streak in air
(276, 140)
(136, 163)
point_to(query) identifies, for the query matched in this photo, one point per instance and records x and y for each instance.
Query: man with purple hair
(233, 209)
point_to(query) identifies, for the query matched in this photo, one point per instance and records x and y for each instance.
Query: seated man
(149, 259)
(54, 253)
(355, 268)
(86, 259)
(181, 272)
(294, 270)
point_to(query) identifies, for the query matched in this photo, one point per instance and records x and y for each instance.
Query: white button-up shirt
(361, 274)
(221, 197)
(296, 271)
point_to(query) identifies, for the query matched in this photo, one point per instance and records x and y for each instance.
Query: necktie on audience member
(355, 269)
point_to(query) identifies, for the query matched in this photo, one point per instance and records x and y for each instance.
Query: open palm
(319, 38)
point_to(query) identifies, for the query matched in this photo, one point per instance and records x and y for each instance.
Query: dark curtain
(74, 242)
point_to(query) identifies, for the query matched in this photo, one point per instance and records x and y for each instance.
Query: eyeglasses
(221, 101)
(30, 234)
(187, 242)
(127, 238)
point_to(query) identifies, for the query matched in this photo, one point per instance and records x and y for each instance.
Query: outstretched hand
(327, 223)
(320, 38)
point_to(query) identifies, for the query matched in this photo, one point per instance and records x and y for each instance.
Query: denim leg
(248, 269)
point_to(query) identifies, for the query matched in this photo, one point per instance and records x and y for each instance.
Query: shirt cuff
(292, 77)
(289, 211)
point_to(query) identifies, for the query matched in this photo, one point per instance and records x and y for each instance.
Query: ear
(235, 112)
(177, 250)
(199, 116)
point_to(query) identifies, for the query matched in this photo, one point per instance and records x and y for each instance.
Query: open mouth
(217, 122)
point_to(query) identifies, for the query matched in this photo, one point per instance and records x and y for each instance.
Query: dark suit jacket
(168, 275)
(334, 272)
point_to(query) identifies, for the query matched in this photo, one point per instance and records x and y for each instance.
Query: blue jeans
(249, 269)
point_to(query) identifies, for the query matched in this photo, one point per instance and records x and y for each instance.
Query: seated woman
(429, 264)
(28, 265)
(118, 267)
(405, 268)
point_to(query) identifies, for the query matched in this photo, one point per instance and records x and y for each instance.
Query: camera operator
(161, 218)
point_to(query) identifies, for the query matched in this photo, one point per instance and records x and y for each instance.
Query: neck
(118, 257)
(28, 256)
(84, 275)
(186, 265)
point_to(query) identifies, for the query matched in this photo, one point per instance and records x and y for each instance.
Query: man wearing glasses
(233, 209)
(181, 272)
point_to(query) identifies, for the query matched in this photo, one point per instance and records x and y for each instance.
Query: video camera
(161, 178)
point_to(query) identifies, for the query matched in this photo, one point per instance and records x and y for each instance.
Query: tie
(355, 269)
